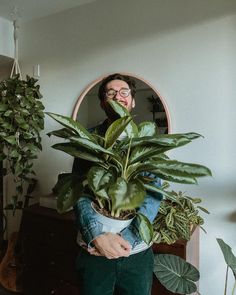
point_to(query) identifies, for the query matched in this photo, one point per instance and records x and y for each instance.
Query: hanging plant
(21, 120)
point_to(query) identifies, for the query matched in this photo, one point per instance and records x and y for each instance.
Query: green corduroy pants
(123, 276)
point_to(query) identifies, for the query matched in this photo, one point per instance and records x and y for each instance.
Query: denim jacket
(86, 221)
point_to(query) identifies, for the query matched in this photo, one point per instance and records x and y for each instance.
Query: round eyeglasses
(123, 92)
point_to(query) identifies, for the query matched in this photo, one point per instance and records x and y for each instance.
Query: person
(110, 263)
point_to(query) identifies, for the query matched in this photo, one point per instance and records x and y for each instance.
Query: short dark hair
(117, 76)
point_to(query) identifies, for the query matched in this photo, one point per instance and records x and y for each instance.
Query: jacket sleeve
(86, 220)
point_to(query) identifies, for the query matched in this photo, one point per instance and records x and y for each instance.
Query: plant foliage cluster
(180, 277)
(21, 120)
(116, 179)
(177, 217)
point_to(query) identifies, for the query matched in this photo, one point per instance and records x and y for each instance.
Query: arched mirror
(150, 105)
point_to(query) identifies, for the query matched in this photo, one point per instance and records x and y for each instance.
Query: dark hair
(117, 76)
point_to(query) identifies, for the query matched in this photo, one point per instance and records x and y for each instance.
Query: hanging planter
(21, 120)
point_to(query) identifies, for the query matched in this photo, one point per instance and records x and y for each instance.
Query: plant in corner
(176, 220)
(116, 178)
(230, 260)
(21, 120)
(179, 276)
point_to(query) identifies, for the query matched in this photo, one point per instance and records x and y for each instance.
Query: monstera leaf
(175, 274)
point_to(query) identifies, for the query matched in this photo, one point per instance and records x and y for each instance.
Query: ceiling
(33, 9)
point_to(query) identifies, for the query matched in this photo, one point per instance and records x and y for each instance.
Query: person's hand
(94, 251)
(111, 246)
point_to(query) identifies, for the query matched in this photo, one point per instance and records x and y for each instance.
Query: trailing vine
(21, 120)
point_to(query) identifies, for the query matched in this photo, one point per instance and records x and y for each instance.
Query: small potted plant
(177, 218)
(116, 179)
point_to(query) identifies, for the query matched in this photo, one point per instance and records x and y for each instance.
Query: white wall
(6, 37)
(185, 49)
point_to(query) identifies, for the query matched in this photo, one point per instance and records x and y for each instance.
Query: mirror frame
(92, 84)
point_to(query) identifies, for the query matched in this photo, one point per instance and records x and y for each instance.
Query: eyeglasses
(124, 92)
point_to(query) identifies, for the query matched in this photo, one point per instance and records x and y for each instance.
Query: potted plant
(116, 179)
(177, 218)
(21, 120)
(179, 276)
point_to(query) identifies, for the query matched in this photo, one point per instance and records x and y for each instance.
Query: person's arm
(109, 245)
(91, 229)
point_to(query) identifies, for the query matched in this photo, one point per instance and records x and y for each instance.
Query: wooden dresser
(49, 249)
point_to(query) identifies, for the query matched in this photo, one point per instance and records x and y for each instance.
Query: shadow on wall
(117, 22)
(232, 217)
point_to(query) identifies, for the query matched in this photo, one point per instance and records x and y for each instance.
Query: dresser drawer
(47, 285)
(56, 263)
(43, 231)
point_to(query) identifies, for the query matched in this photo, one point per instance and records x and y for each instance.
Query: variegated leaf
(146, 129)
(73, 150)
(115, 130)
(125, 195)
(71, 124)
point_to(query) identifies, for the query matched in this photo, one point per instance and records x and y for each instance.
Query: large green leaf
(177, 275)
(75, 151)
(146, 129)
(141, 153)
(69, 187)
(164, 140)
(89, 145)
(98, 180)
(230, 258)
(171, 170)
(174, 176)
(145, 228)
(115, 130)
(71, 124)
(131, 129)
(126, 196)
(63, 133)
(194, 170)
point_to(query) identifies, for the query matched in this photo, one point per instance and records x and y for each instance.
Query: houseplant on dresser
(120, 172)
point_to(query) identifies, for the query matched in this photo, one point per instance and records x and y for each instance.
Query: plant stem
(234, 288)
(226, 280)
(100, 203)
(117, 214)
(127, 159)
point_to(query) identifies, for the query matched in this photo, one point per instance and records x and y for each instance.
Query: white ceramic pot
(110, 224)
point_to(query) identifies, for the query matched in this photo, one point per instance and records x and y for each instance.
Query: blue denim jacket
(86, 220)
(90, 228)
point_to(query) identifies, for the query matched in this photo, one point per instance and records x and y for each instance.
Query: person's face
(118, 90)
